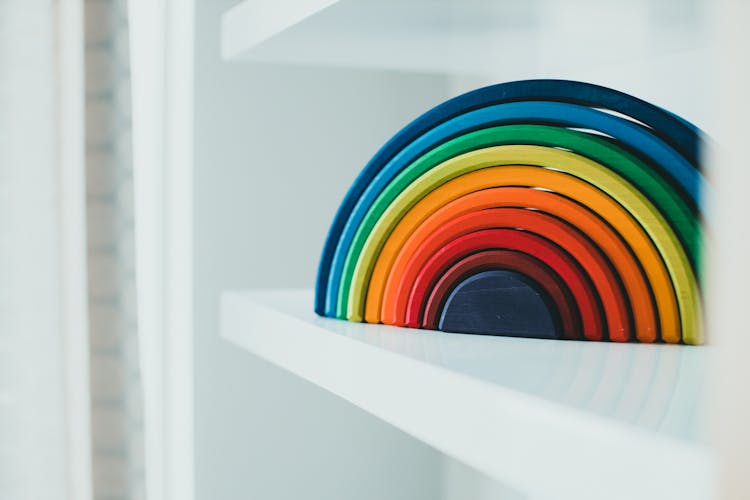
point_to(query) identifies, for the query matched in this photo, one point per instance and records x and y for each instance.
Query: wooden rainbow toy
(539, 208)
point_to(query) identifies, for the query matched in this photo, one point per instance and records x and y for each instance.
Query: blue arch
(669, 128)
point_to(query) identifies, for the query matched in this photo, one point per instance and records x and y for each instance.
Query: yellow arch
(637, 205)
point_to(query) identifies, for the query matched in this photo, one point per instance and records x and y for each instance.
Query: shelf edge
(486, 418)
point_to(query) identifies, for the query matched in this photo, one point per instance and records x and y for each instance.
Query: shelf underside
(467, 36)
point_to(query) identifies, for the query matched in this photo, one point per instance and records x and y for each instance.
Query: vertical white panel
(33, 377)
(730, 262)
(147, 49)
(72, 256)
(178, 250)
(161, 54)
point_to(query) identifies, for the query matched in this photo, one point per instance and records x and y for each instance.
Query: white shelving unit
(637, 46)
(467, 36)
(552, 419)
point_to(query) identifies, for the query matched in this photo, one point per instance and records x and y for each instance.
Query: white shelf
(498, 39)
(552, 419)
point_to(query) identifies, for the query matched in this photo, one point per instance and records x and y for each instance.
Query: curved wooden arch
(592, 320)
(676, 131)
(621, 198)
(632, 136)
(534, 269)
(405, 238)
(589, 258)
(397, 175)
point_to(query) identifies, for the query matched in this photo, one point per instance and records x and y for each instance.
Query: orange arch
(588, 256)
(637, 288)
(382, 289)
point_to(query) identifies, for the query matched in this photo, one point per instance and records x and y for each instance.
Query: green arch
(371, 235)
(654, 186)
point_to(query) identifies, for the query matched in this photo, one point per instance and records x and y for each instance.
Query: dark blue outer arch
(680, 134)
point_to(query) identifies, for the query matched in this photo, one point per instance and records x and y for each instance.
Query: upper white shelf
(552, 419)
(501, 40)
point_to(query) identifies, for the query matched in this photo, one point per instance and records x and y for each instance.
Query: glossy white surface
(551, 419)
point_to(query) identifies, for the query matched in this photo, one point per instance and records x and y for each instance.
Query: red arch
(389, 269)
(431, 265)
(530, 267)
(590, 257)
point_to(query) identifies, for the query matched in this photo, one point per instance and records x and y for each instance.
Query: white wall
(275, 150)
(32, 238)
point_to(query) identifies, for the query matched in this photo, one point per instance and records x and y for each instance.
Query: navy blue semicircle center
(500, 302)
